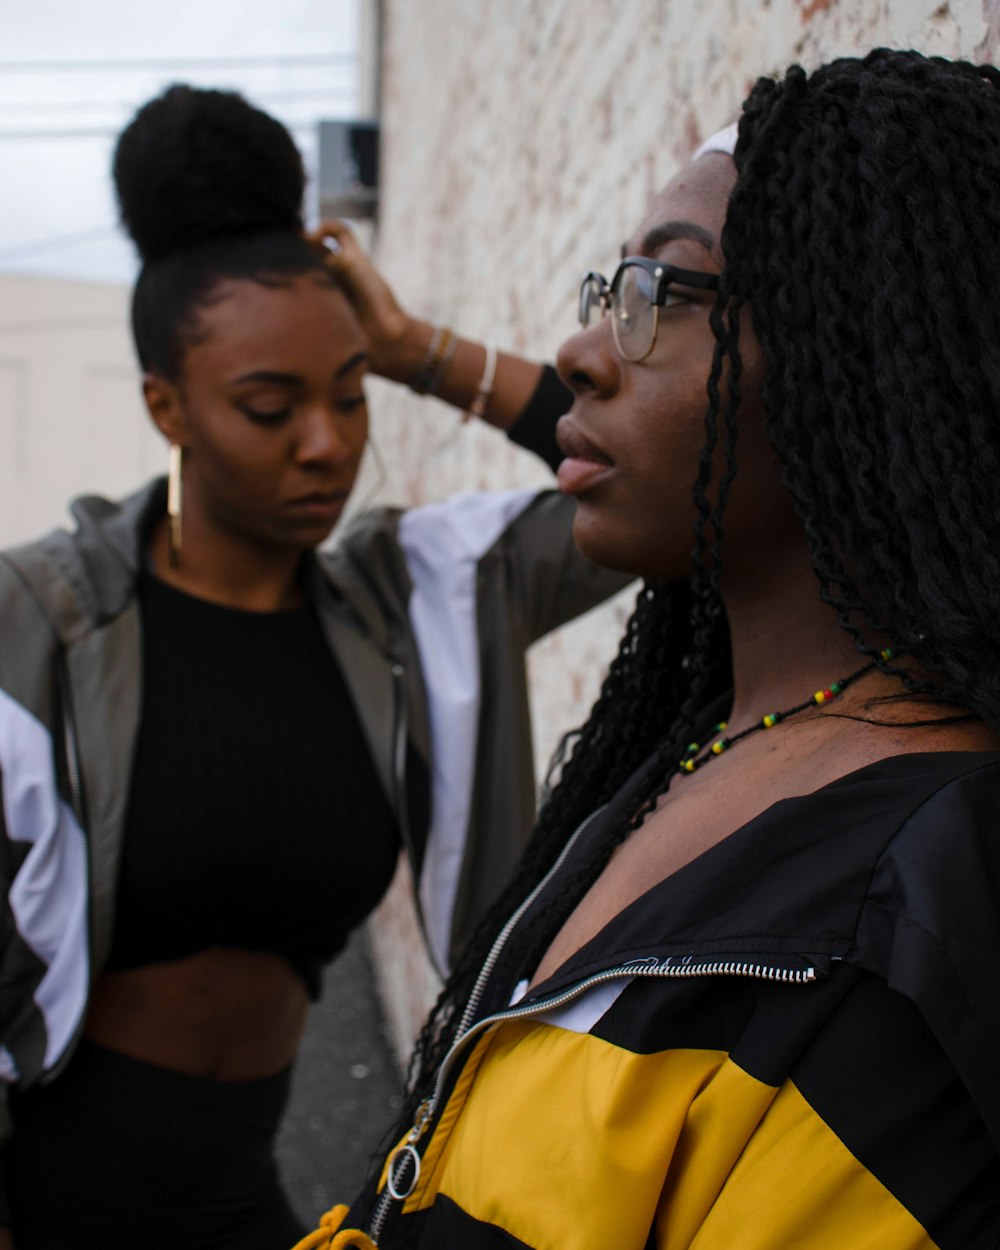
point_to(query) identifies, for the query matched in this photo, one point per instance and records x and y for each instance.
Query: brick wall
(521, 142)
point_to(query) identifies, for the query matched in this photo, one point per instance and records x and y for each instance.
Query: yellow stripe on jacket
(569, 1142)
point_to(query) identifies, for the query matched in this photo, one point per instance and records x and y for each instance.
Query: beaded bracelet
(435, 364)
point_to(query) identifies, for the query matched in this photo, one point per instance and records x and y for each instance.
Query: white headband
(722, 141)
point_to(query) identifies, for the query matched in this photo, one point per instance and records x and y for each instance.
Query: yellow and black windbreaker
(794, 1041)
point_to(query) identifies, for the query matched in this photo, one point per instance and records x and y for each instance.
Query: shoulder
(24, 573)
(942, 862)
(464, 527)
(370, 533)
(931, 924)
(952, 822)
(85, 576)
(365, 561)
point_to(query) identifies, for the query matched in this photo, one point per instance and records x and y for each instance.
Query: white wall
(71, 414)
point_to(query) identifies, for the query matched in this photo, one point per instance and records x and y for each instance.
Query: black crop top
(255, 818)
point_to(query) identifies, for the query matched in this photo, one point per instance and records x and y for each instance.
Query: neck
(786, 642)
(228, 569)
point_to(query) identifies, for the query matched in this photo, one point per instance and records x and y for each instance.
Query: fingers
(370, 297)
(336, 238)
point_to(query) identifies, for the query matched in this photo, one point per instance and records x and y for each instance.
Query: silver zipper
(398, 1190)
(501, 940)
(426, 1108)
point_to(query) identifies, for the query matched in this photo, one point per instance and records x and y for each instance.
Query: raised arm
(406, 349)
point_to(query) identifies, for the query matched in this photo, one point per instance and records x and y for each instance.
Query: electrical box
(348, 169)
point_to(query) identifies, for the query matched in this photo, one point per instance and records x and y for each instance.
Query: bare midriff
(231, 1015)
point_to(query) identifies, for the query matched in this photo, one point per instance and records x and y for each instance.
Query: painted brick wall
(521, 142)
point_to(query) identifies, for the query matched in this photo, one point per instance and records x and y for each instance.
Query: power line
(78, 132)
(186, 62)
(60, 324)
(55, 241)
(100, 106)
(107, 132)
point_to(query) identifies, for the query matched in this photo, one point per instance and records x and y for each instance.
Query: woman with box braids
(742, 989)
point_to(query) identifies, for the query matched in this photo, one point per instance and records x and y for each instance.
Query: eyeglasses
(634, 297)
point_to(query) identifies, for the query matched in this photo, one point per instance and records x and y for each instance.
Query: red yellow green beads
(693, 759)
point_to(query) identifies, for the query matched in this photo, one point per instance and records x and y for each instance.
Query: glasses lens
(591, 289)
(633, 313)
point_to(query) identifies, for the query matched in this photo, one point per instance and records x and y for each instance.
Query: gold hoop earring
(175, 502)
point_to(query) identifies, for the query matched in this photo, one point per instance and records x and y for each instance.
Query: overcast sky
(72, 72)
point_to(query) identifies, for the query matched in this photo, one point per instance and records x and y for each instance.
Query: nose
(325, 438)
(588, 361)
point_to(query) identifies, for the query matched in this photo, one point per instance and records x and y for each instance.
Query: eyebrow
(277, 378)
(270, 375)
(668, 231)
(349, 365)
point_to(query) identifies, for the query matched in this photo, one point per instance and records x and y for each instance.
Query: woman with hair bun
(214, 740)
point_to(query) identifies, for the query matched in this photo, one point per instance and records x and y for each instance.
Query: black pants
(118, 1153)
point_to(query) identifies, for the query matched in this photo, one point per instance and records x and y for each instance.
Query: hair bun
(196, 165)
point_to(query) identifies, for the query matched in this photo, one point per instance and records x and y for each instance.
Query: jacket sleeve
(550, 579)
(5, 925)
(874, 1138)
(896, 1131)
(43, 911)
(4, 1128)
(931, 927)
(490, 554)
(530, 533)
(490, 573)
(535, 428)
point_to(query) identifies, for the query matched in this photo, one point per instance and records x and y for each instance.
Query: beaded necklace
(692, 760)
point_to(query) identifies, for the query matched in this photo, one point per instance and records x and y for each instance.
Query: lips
(585, 464)
(320, 503)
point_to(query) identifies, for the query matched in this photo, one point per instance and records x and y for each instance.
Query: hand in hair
(398, 341)
(385, 323)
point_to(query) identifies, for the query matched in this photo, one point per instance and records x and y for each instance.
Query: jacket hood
(85, 579)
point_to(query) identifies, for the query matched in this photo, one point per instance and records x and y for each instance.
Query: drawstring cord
(328, 1236)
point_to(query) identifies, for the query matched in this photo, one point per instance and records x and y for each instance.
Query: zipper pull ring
(393, 1173)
